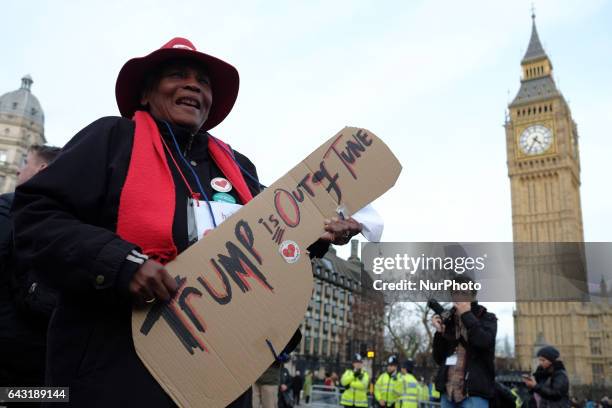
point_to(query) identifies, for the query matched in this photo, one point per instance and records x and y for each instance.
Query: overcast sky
(431, 78)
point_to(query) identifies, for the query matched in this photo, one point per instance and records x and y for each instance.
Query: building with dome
(22, 124)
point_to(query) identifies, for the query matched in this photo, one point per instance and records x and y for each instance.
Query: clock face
(536, 139)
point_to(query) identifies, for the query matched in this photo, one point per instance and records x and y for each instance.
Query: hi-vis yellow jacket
(434, 392)
(356, 389)
(384, 390)
(518, 402)
(423, 392)
(407, 390)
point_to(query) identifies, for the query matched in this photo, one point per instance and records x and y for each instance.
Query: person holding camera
(549, 386)
(464, 348)
(356, 383)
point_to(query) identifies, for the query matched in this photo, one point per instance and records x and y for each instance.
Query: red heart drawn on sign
(289, 251)
(272, 306)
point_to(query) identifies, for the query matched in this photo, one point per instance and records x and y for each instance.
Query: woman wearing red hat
(100, 222)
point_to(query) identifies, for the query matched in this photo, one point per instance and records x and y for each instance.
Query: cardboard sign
(248, 282)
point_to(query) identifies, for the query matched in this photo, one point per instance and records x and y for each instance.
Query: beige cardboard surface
(237, 289)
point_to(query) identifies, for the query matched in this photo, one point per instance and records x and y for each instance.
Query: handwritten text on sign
(242, 262)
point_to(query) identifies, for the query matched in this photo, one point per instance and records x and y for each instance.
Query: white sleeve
(371, 221)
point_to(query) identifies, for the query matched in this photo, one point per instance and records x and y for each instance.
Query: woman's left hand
(340, 231)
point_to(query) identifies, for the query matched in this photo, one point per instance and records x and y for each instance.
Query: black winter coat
(8, 315)
(480, 352)
(25, 309)
(32, 301)
(552, 385)
(65, 223)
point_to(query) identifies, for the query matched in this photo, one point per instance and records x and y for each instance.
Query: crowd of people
(393, 388)
(604, 402)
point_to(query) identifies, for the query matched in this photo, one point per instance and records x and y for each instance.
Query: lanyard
(231, 154)
(195, 175)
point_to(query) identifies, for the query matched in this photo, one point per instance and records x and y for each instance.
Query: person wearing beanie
(549, 386)
(407, 387)
(549, 353)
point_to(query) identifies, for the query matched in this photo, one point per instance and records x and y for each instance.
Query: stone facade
(544, 170)
(343, 316)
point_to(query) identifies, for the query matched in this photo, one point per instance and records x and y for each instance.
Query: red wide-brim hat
(224, 79)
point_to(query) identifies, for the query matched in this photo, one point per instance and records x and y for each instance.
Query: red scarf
(147, 202)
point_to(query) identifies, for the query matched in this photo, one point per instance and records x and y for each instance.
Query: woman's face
(544, 363)
(181, 94)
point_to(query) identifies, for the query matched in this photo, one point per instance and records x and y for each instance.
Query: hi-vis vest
(384, 390)
(434, 393)
(355, 393)
(407, 390)
(518, 402)
(423, 392)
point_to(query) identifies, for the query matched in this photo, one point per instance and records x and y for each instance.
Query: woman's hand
(151, 282)
(340, 231)
(529, 381)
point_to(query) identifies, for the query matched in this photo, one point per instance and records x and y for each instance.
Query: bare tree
(409, 328)
(425, 314)
(406, 335)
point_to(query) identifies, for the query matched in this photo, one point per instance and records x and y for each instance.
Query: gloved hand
(358, 374)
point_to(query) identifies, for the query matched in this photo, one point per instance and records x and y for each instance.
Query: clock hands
(531, 146)
(535, 139)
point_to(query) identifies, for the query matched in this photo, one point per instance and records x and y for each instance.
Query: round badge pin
(224, 198)
(221, 184)
(290, 251)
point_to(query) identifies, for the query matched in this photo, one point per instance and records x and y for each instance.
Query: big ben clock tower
(544, 171)
(543, 155)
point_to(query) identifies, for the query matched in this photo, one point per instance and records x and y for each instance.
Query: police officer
(423, 391)
(434, 394)
(407, 387)
(384, 390)
(356, 383)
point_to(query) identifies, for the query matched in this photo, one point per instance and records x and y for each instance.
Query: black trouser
(296, 397)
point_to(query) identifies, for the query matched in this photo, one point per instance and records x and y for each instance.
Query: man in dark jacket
(549, 385)
(266, 388)
(285, 396)
(296, 386)
(464, 348)
(25, 304)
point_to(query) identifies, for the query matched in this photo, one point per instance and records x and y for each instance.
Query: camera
(444, 314)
